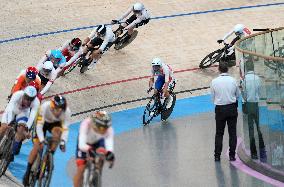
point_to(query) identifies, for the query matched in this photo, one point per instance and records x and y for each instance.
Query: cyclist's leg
(159, 83)
(81, 165)
(21, 120)
(56, 131)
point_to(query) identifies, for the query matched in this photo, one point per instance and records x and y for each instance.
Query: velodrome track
(181, 33)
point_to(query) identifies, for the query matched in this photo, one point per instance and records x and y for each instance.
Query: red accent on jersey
(66, 53)
(247, 31)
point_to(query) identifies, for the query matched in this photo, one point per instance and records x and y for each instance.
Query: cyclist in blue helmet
(56, 57)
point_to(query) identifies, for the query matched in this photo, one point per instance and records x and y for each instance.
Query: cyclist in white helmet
(21, 109)
(164, 77)
(101, 38)
(240, 31)
(139, 17)
(96, 133)
(47, 74)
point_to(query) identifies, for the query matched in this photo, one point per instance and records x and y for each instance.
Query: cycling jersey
(47, 78)
(88, 136)
(46, 117)
(144, 15)
(70, 55)
(246, 32)
(58, 66)
(167, 72)
(107, 38)
(21, 83)
(15, 110)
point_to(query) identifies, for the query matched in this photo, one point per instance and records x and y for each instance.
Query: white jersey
(144, 15)
(15, 110)
(87, 136)
(50, 76)
(45, 115)
(107, 38)
(166, 71)
(246, 32)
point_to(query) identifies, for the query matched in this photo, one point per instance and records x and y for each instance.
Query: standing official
(225, 93)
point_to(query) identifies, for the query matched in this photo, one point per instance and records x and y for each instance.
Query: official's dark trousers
(226, 114)
(253, 117)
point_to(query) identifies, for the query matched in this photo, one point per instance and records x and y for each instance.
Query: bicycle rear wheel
(165, 114)
(122, 43)
(210, 59)
(6, 149)
(46, 169)
(150, 111)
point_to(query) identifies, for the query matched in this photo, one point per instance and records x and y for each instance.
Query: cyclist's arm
(75, 57)
(129, 10)
(228, 35)
(18, 84)
(39, 125)
(92, 35)
(109, 139)
(65, 125)
(54, 74)
(83, 135)
(104, 44)
(34, 109)
(8, 115)
(138, 20)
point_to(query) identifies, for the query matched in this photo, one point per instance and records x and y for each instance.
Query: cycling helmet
(56, 53)
(138, 7)
(30, 92)
(48, 66)
(239, 29)
(157, 62)
(58, 101)
(101, 119)
(34, 84)
(76, 43)
(101, 30)
(31, 72)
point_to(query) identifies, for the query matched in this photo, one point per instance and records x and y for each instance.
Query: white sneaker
(169, 102)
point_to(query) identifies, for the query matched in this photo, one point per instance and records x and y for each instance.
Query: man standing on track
(225, 93)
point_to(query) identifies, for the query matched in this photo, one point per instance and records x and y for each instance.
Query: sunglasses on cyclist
(30, 99)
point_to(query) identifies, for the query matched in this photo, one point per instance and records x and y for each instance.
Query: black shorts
(97, 42)
(133, 18)
(43, 79)
(49, 126)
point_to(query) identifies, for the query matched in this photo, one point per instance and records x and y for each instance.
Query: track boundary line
(153, 18)
(133, 101)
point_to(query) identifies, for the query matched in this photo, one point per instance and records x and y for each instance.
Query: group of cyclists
(53, 116)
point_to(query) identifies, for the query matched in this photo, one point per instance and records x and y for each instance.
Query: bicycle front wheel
(150, 111)
(6, 148)
(70, 68)
(46, 169)
(210, 59)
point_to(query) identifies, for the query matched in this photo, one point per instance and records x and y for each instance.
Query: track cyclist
(22, 109)
(139, 17)
(240, 31)
(95, 132)
(101, 37)
(53, 117)
(164, 74)
(56, 57)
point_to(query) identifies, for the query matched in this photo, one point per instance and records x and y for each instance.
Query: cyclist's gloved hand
(62, 146)
(110, 156)
(114, 21)
(220, 41)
